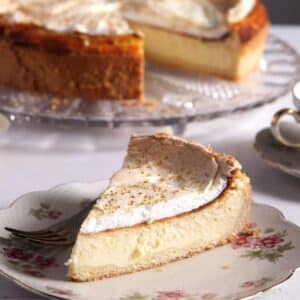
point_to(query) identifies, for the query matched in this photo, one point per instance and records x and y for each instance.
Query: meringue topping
(202, 18)
(89, 16)
(162, 177)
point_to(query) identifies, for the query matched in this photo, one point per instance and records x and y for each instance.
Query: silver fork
(63, 233)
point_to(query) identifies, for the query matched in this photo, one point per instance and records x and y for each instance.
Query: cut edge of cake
(232, 57)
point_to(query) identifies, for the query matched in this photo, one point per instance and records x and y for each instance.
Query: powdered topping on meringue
(158, 181)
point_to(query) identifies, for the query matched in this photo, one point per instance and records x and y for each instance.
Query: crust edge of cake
(59, 56)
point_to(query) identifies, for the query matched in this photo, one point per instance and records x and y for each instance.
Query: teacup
(295, 113)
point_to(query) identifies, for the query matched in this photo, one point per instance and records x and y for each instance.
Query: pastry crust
(71, 64)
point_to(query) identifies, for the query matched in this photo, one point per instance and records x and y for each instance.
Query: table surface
(38, 159)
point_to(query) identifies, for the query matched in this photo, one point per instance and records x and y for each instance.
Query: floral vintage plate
(252, 264)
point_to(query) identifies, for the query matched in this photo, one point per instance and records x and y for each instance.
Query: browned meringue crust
(71, 64)
(252, 25)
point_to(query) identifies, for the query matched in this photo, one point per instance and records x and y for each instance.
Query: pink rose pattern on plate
(26, 260)
(45, 212)
(34, 273)
(60, 292)
(17, 254)
(269, 245)
(209, 296)
(86, 202)
(173, 295)
(163, 295)
(255, 283)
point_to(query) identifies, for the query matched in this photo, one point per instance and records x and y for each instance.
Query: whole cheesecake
(94, 49)
(172, 199)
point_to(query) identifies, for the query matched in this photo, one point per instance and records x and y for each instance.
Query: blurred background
(284, 11)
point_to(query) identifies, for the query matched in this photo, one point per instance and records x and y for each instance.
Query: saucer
(281, 157)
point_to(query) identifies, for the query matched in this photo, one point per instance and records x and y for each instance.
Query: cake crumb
(226, 267)
(159, 270)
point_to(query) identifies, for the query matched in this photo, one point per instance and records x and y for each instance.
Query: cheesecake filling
(202, 18)
(157, 183)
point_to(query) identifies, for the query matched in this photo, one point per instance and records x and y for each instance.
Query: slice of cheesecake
(216, 37)
(171, 199)
(70, 49)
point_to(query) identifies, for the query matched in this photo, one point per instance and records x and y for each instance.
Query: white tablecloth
(39, 159)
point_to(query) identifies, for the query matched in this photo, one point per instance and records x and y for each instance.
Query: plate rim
(289, 274)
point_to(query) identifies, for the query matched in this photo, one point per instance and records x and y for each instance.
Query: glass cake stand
(172, 98)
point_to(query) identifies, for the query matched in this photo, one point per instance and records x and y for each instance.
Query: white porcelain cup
(295, 113)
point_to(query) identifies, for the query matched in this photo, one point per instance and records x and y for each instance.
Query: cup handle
(275, 126)
(296, 95)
